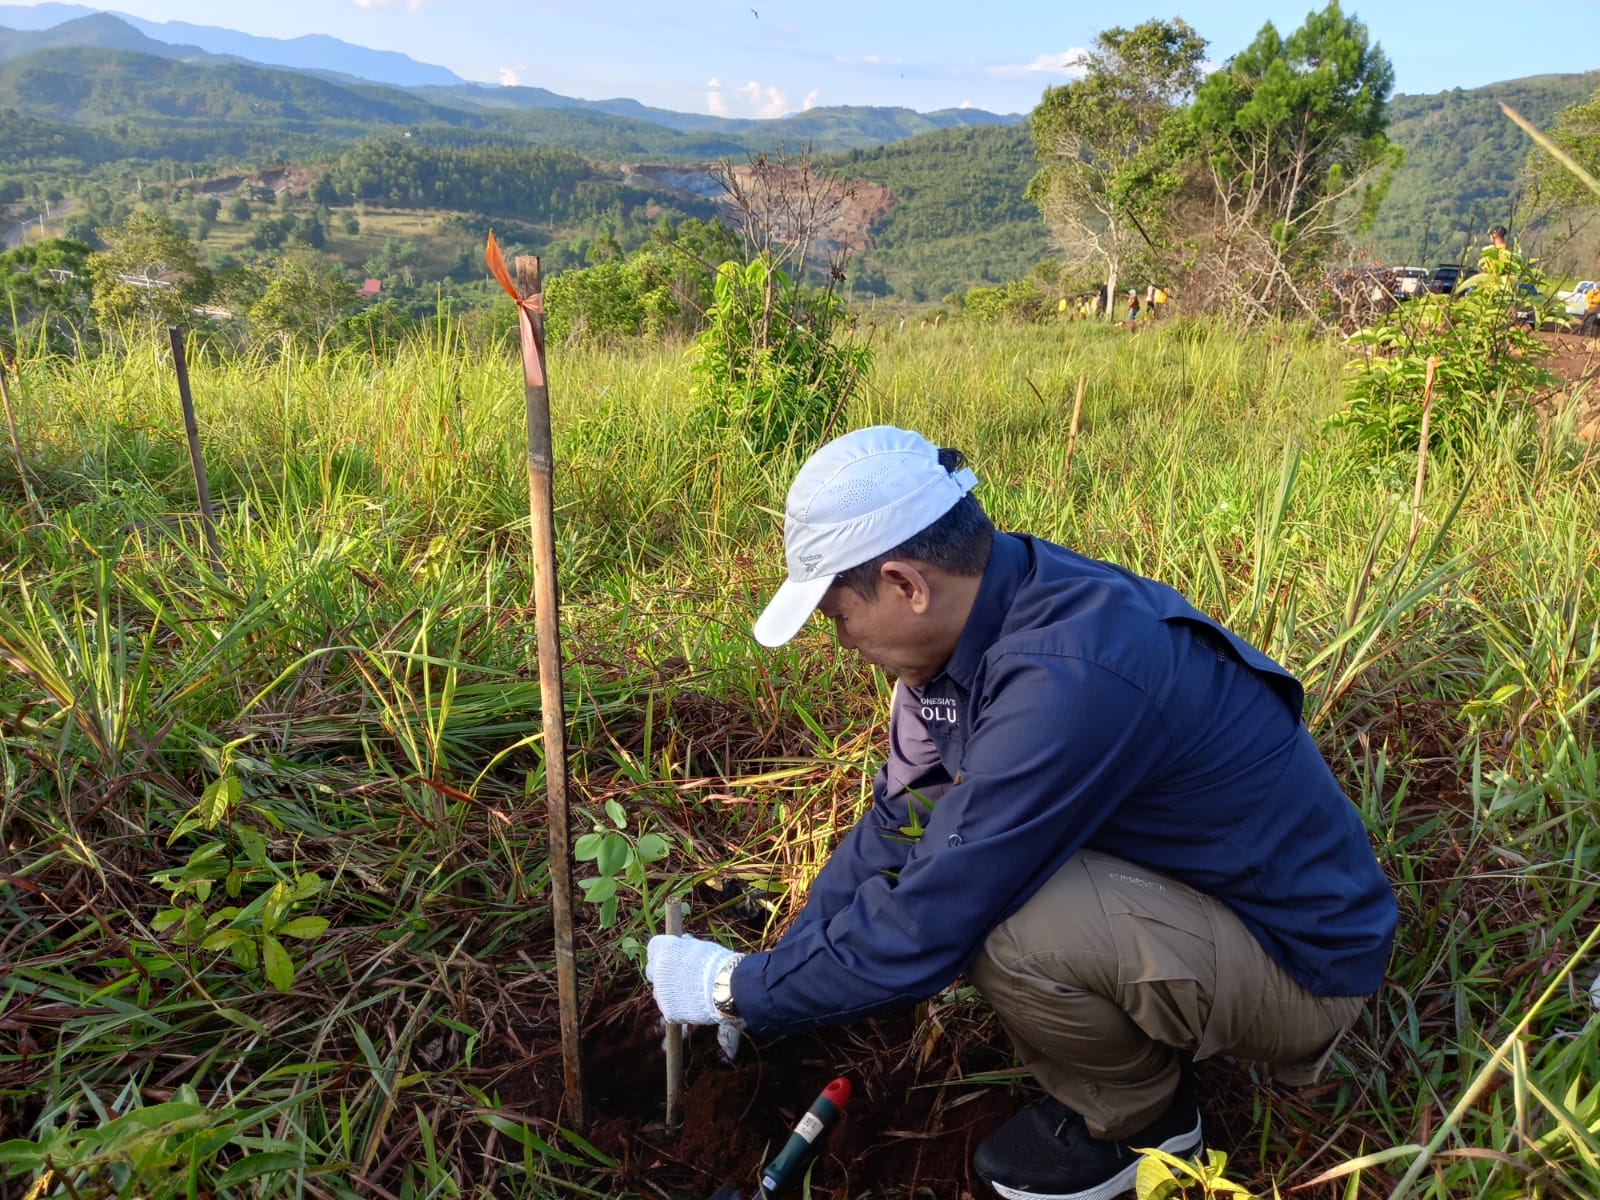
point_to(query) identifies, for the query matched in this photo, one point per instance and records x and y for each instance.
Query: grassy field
(273, 903)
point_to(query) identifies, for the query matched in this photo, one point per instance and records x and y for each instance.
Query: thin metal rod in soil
(208, 515)
(552, 705)
(674, 1039)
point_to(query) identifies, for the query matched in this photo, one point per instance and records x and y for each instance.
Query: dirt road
(15, 233)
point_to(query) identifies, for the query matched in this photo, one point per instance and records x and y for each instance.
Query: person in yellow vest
(1591, 313)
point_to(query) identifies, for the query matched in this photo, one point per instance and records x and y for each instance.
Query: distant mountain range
(26, 30)
(315, 52)
(186, 101)
(80, 87)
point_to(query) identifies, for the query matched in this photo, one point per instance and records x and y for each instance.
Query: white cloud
(511, 76)
(767, 101)
(965, 104)
(1069, 64)
(811, 99)
(752, 99)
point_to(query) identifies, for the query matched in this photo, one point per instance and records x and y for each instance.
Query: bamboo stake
(527, 293)
(1072, 433)
(1422, 452)
(208, 514)
(16, 448)
(674, 1041)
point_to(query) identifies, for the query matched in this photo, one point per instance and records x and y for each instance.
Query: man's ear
(906, 581)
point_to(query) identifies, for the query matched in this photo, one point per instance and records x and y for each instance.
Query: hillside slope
(1463, 159)
(959, 216)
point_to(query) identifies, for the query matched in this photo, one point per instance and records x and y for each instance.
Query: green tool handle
(819, 1118)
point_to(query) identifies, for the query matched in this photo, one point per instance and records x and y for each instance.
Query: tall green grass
(362, 667)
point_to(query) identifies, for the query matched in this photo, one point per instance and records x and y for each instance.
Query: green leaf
(278, 965)
(587, 847)
(304, 927)
(618, 814)
(254, 1166)
(25, 1153)
(220, 796)
(613, 854)
(597, 890)
(222, 939)
(243, 1020)
(651, 847)
(167, 918)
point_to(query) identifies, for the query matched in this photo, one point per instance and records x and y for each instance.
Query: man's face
(883, 630)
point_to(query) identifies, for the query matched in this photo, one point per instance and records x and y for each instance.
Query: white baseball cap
(859, 496)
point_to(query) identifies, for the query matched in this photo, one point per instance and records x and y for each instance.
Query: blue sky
(767, 57)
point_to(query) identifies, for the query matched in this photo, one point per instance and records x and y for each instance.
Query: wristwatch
(722, 989)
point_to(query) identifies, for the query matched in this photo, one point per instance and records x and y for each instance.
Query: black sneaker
(1047, 1153)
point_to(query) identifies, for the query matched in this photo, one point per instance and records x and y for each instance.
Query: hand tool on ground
(818, 1119)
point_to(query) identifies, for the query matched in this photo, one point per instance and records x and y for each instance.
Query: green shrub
(767, 367)
(1489, 356)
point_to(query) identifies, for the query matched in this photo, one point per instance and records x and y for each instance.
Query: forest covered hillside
(1463, 162)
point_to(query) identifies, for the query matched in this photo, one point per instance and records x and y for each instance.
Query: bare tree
(785, 205)
(784, 202)
(1291, 136)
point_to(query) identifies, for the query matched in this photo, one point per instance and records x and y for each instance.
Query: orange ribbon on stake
(527, 308)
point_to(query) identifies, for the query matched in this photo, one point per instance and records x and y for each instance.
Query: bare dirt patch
(1575, 361)
(928, 1086)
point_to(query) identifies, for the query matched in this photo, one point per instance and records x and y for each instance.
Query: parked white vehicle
(1578, 297)
(1411, 281)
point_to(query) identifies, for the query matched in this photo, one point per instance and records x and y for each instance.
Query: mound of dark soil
(911, 1127)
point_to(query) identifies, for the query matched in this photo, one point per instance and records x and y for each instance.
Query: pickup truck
(1577, 299)
(1445, 277)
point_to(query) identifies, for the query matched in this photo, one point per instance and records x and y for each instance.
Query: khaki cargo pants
(1111, 975)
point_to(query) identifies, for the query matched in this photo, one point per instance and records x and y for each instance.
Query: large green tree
(1088, 132)
(43, 294)
(303, 297)
(148, 270)
(1291, 133)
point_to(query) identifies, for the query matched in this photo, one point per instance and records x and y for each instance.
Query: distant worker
(1158, 301)
(1133, 304)
(1591, 313)
(1497, 237)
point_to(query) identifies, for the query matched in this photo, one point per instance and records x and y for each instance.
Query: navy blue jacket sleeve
(877, 844)
(1055, 745)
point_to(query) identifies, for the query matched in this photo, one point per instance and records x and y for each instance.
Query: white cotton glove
(681, 971)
